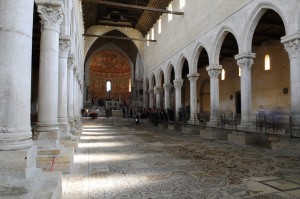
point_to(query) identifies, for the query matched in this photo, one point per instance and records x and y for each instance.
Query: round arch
(160, 76)
(253, 21)
(179, 65)
(219, 41)
(169, 73)
(195, 56)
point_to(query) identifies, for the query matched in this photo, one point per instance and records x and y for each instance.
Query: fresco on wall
(109, 65)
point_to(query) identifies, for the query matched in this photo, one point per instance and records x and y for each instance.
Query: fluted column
(158, 91)
(292, 46)
(167, 88)
(178, 83)
(193, 98)
(15, 68)
(151, 96)
(64, 127)
(214, 71)
(47, 125)
(245, 61)
(71, 62)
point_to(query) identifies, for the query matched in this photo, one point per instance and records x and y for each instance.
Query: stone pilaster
(214, 72)
(47, 125)
(64, 127)
(193, 98)
(292, 46)
(151, 98)
(178, 83)
(158, 92)
(167, 88)
(245, 61)
(71, 62)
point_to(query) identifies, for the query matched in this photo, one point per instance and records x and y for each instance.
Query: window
(159, 26)
(170, 16)
(182, 4)
(223, 74)
(108, 86)
(239, 71)
(129, 83)
(152, 34)
(148, 38)
(267, 62)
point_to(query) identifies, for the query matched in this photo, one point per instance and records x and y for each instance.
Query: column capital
(214, 71)
(158, 89)
(151, 91)
(291, 45)
(193, 77)
(71, 62)
(64, 47)
(245, 61)
(178, 83)
(168, 86)
(51, 14)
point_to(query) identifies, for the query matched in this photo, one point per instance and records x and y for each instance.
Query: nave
(117, 159)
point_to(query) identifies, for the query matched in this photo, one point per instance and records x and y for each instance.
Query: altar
(113, 104)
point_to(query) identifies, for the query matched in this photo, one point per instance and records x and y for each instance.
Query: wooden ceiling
(95, 12)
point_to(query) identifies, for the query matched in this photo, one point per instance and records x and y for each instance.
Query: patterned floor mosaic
(115, 160)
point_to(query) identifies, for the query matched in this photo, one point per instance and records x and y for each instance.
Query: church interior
(149, 99)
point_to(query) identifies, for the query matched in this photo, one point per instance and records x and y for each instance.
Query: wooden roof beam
(133, 7)
(116, 37)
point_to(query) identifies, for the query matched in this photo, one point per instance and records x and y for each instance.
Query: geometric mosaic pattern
(118, 160)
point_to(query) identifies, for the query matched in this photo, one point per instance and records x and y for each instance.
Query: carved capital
(193, 77)
(214, 71)
(293, 48)
(64, 47)
(51, 17)
(178, 83)
(151, 92)
(71, 62)
(168, 87)
(245, 63)
(158, 89)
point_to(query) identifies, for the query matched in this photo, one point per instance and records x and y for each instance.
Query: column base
(64, 128)
(19, 177)
(247, 126)
(213, 123)
(193, 121)
(47, 135)
(15, 139)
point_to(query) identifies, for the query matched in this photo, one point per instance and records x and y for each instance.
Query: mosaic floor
(115, 160)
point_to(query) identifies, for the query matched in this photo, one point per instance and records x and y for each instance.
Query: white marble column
(151, 98)
(158, 92)
(47, 125)
(64, 127)
(71, 62)
(167, 88)
(193, 98)
(16, 21)
(214, 71)
(245, 61)
(75, 96)
(292, 46)
(178, 83)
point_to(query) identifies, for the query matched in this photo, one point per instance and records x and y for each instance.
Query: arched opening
(271, 81)
(229, 78)
(185, 90)
(161, 82)
(153, 83)
(172, 91)
(203, 88)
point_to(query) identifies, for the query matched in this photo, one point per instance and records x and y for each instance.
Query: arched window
(223, 74)
(108, 86)
(267, 62)
(148, 38)
(182, 4)
(239, 71)
(159, 26)
(129, 85)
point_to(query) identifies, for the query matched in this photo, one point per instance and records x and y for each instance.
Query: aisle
(128, 161)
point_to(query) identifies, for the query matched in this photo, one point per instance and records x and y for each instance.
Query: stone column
(214, 71)
(146, 99)
(71, 94)
(245, 61)
(151, 95)
(75, 97)
(158, 91)
(193, 98)
(292, 46)
(178, 83)
(64, 127)
(47, 125)
(15, 69)
(167, 88)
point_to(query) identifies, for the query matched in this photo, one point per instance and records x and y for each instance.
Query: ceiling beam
(133, 7)
(115, 37)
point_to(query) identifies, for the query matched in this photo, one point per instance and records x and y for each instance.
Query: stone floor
(117, 159)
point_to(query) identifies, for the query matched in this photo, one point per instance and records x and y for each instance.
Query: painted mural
(109, 65)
